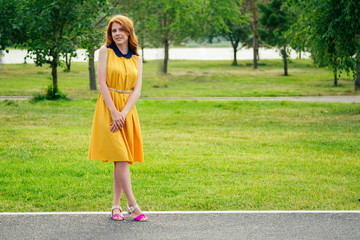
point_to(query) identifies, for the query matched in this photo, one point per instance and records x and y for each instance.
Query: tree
(347, 24)
(251, 7)
(139, 14)
(329, 29)
(311, 29)
(227, 20)
(50, 27)
(357, 79)
(69, 50)
(8, 12)
(94, 33)
(238, 34)
(275, 22)
(170, 22)
(91, 41)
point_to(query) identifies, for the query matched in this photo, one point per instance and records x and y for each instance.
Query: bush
(51, 95)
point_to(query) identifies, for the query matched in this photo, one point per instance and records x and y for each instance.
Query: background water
(17, 56)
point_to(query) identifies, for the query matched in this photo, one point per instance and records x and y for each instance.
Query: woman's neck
(124, 48)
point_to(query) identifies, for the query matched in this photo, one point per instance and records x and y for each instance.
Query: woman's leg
(123, 177)
(117, 191)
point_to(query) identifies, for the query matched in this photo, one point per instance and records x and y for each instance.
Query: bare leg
(123, 177)
(118, 190)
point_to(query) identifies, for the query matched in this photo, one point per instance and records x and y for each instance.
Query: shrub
(50, 94)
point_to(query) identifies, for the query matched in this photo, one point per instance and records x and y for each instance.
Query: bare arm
(137, 90)
(135, 95)
(117, 118)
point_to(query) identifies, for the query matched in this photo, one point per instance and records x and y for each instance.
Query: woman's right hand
(118, 121)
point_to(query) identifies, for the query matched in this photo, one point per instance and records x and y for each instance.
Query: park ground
(190, 79)
(199, 155)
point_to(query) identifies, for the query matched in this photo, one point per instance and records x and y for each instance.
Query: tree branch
(102, 19)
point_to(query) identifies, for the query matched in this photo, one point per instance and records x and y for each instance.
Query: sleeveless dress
(126, 143)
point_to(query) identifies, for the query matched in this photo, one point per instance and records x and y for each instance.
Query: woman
(116, 132)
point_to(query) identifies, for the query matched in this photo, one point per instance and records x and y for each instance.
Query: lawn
(189, 79)
(199, 155)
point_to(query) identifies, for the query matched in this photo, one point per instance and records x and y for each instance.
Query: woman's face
(118, 35)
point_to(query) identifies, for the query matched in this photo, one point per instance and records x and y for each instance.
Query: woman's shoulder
(103, 54)
(138, 58)
(103, 49)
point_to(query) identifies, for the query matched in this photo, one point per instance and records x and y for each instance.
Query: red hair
(128, 27)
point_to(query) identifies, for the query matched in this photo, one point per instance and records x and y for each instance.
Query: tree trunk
(335, 71)
(68, 62)
(54, 64)
(299, 54)
(92, 76)
(68, 65)
(166, 44)
(166, 58)
(142, 48)
(234, 44)
(256, 39)
(357, 80)
(285, 61)
(235, 60)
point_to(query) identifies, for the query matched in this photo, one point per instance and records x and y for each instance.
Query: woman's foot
(136, 213)
(116, 213)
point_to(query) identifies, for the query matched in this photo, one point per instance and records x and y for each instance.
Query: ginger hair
(128, 27)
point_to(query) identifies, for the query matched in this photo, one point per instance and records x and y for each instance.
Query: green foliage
(169, 22)
(46, 26)
(51, 28)
(177, 20)
(50, 94)
(250, 7)
(8, 33)
(93, 35)
(328, 28)
(10, 103)
(227, 20)
(275, 22)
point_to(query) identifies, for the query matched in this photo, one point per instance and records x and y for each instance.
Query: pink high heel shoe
(139, 218)
(115, 216)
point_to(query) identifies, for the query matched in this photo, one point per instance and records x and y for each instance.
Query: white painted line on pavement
(192, 212)
(254, 211)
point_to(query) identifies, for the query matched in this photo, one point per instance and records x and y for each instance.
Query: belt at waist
(120, 91)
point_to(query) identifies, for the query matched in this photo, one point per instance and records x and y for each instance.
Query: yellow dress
(124, 144)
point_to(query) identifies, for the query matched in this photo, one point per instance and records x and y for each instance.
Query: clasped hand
(118, 121)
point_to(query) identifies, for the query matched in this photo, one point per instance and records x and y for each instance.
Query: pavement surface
(184, 225)
(335, 99)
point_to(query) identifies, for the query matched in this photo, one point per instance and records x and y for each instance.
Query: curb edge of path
(194, 212)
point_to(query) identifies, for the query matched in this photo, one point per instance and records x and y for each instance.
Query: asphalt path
(334, 99)
(184, 225)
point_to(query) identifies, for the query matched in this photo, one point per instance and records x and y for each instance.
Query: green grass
(189, 79)
(199, 155)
